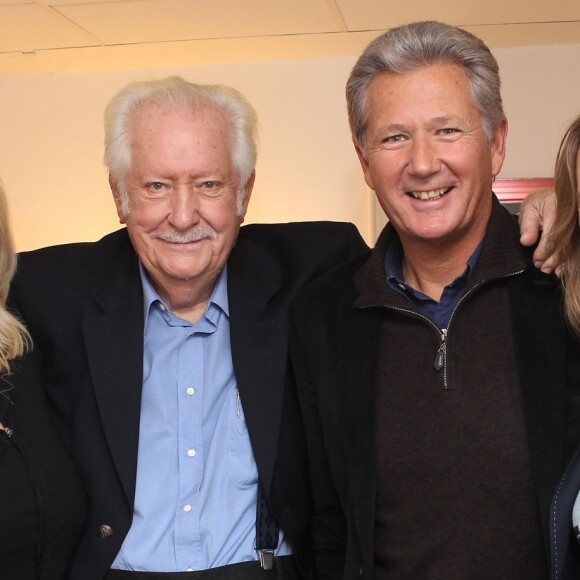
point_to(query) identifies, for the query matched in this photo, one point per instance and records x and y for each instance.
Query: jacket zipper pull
(440, 358)
(9, 432)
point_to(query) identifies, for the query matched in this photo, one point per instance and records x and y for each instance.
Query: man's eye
(209, 184)
(156, 186)
(449, 131)
(394, 139)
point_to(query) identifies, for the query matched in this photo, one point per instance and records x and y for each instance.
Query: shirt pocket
(242, 461)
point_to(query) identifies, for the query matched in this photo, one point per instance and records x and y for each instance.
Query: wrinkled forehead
(444, 74)
(441, 90)
(174, 134)
(153, 113)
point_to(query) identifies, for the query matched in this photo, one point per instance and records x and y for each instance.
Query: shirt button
(162, 307)
(186, 508)
(190, 391)
(191, 452)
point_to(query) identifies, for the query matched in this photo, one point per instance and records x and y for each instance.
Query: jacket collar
(500, 256)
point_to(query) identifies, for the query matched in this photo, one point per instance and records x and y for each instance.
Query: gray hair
(175, 92)
(421, 44)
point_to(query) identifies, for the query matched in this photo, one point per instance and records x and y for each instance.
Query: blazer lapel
(113, 332)
(259, 342)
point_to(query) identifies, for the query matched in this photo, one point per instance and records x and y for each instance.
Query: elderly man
(437, 381)
(165, 349)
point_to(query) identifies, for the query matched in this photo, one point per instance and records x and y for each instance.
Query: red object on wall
(514, 190)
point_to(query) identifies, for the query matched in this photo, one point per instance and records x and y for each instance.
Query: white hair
(175, 92)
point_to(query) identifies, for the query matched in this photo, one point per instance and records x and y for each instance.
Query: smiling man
(436, 376)
(165, 349)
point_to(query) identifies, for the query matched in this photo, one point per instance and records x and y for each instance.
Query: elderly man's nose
(184, 208)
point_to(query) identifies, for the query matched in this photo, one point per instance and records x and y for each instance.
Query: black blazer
(334, 351)
(83, 305)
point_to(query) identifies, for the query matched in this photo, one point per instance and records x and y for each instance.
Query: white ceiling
(58, 36)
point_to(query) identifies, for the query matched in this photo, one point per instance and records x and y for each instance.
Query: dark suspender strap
(267, 532)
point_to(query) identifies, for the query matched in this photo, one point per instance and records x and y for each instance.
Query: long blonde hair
(14, 338)
(565, 236)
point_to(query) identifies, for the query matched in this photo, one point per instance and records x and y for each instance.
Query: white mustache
(193, 235)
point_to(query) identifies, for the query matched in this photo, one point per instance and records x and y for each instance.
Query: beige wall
(51, 139)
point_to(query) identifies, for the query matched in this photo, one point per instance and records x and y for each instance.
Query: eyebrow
(444, 120)
(395, 127)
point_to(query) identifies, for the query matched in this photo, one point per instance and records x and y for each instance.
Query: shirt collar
(394, 268)
(218, 299)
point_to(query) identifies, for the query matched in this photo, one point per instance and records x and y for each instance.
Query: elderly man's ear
(248, 193)
(536, 220)
(117, 196)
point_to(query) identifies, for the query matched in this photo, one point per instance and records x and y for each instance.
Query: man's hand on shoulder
(536, 220)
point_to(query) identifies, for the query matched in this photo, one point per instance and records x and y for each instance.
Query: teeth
(433, 194)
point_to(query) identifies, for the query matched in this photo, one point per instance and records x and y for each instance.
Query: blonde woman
(564, 242)
(42, 505)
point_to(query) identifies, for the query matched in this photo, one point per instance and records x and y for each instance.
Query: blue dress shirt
(197, 481)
